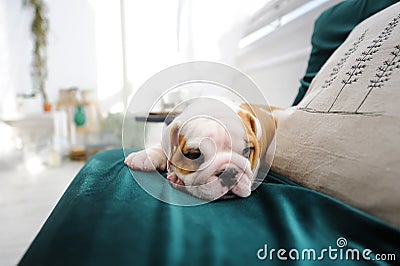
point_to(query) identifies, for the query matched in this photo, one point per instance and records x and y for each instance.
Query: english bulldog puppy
(213, 149)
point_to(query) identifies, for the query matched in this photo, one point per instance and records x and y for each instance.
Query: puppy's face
(210, 158)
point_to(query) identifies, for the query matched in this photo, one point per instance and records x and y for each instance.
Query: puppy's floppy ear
(256, 126)
(170, 138)
(247, 114)
(174, 137)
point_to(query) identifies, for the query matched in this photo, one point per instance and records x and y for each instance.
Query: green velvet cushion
(105, 218)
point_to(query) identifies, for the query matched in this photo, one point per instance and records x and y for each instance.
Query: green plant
(39, 30)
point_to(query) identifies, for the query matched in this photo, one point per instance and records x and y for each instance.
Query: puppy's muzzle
(227, 176)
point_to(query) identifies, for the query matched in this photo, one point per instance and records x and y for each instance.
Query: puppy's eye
(192, 154)
(247, 151)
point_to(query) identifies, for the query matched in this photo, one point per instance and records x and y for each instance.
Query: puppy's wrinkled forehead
(198, 132)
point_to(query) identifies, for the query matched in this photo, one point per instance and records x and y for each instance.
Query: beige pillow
(343, 139)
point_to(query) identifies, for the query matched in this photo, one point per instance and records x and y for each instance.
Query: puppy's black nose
(228, 177)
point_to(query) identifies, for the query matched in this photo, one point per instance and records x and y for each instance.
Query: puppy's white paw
(147, 160)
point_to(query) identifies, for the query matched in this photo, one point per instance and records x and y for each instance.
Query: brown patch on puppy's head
(261, 119)
(250, 124)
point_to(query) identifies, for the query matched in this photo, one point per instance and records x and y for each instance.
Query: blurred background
(69, 68)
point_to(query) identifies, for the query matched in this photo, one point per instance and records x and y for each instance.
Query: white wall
(71, 50)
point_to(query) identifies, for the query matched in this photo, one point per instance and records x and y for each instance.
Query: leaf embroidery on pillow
(333, 75)
(361, 61)
(383, 73)
(335, 70)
